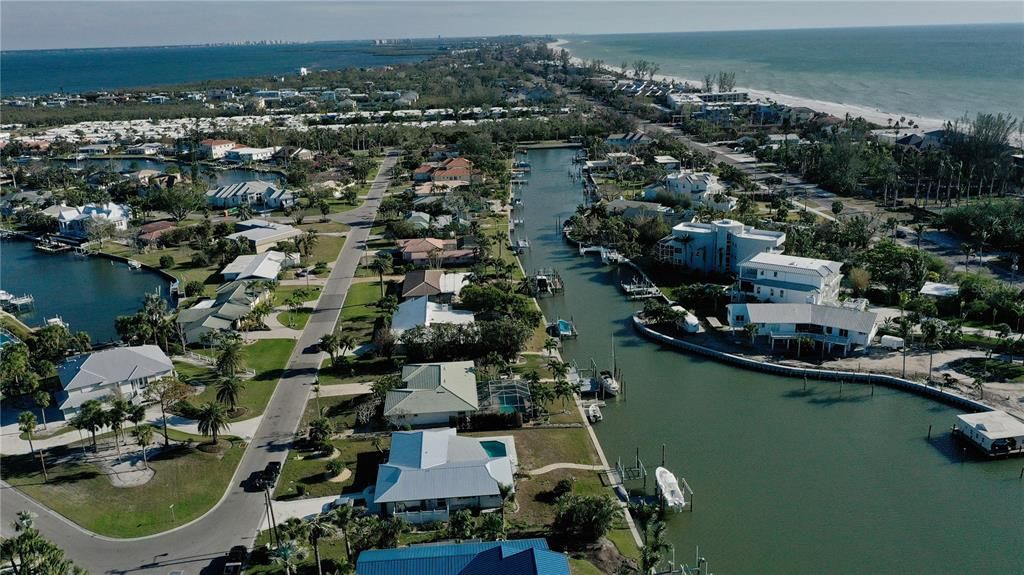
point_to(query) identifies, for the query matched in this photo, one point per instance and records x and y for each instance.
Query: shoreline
(837, 109)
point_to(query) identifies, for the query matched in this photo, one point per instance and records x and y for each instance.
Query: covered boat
(669, 489)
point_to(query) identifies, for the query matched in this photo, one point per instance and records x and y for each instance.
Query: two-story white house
(716, 247)
(75, 220)
(828, 325)
(102, 375)
(215, 149)
(700, 188)
(779, 278)
(253, 193)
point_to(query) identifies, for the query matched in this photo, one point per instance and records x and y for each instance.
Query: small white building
(102, 375)
(780, 278)
(421, 311)
(716, 247)
(831, 326)
(700, 188)
(939, 290)
(246, 154)
(215, 149)
(994, 432)
(148, 149)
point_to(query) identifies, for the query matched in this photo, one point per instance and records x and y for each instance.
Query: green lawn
(332, 557)
(268, 358)
(282, 293)
(340, 409)
(326, 249)
(363, 370)
(330, 226)
(990, 369)
(295, 319)
(191, 480)
(360, 311)
(182, 270)
(358, 455)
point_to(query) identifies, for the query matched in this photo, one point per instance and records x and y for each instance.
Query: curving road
(192, 548)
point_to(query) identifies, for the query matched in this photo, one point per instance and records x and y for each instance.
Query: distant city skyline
(45, 24)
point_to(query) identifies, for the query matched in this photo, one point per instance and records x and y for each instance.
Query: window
(773, 292)
(740, 318)
(828, 330)
(844, 332)
(776, 274)
(782, 293)
(758, 289)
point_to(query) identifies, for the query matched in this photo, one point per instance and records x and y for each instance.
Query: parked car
(235, 560)
(271, 472)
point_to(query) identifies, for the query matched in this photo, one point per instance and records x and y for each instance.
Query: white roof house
(700, 188)
(254, 193)
(718, 246)
(432, 393)
(261, 235)
(421, 311)
(258, 266)
(935, 289)
(832, 326)
(75, 220)
(995, 432)
(780, 278)
(432, 472)
(124, 371)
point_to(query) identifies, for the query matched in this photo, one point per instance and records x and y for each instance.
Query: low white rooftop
(939, 289)
(994, 424)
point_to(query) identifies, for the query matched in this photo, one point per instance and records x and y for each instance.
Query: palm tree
(920, 229)
(347, 341)
(906, 330)
(289, 555)
(43, 400)
(543, 394)
(319, 527)
(390, 530)
(320, 430)
(550, 345)
(752, 329)
(136, 414)
(329, 345)
(564, 390)
(90, 417)
(558, 369)
(27, 424)
(654, 546)
(309, 241)
(212, 419)
(382, 264)
(114, 419)
(930, 336)
(967, 250)
(117, 415)
(343, 516)
(229, 356)
(228, 391)
(144, 435)
(244, 212)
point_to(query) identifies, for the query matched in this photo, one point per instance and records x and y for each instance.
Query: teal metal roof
(516, 557)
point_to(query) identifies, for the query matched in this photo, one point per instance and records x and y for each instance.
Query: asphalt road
(195, 548)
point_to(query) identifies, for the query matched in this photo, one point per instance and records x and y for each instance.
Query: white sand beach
(834, 108)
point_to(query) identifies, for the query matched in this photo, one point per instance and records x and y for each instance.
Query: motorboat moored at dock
(668, 488)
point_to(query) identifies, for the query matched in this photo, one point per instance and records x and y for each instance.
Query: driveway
(235, 520)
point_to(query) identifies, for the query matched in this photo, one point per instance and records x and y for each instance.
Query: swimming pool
(494, 448)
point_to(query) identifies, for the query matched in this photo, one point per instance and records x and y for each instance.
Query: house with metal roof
(265, 266)
(779, 278)
(994, 432)
(513, 557)
(433, 393)
(432, 472)
(718, 246)
(101, 375)
(261, 235)
(434, 284)
(421, 311)
(253, 193)
(233, 302)
(831, 326)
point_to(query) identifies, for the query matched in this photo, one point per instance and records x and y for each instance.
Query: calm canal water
(785, 481)
(87, 292)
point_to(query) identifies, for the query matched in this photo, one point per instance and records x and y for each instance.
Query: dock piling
(929, 432)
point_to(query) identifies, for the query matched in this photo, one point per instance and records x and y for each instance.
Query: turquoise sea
(28, 72)
(934, 71)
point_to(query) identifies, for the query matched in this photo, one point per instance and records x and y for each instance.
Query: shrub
(563, 486)
(193, 288)
(334, 468)
(166, 262)
(300, 490)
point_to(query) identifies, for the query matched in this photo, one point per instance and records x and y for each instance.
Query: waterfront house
(518, 556)
(434, 284)
(150, 233)
(233, 302)
(431, 473)
(667, 163)
(265, 266)
(102, 375)
(779, 278)
(633, 209)
(628, 140)
(245, 154)
(718, 246)
(435, 252)
(421, 311)
(148, 149)
(699, 188)
(96, 149)
(215, 149)
(75, 221)
(433, 393)
(261, 235)
(994, 432)
(254, 193)
(831, 326)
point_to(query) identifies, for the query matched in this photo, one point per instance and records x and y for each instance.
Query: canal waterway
(87, 292)
(786, 479)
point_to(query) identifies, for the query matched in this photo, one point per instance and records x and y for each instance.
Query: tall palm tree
(144, 435)
(329, 344)
(27, 424)
(118, 414)
(346, 342)
(114, 419)
(229, 356)
(42, 399)
(320, 526)
(212, 419)
(229, 389)
(343, 516)
(550, 345)
(382, 264)
(290, 555)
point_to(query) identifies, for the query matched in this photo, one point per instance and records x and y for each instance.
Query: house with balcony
(75, 221)
(699, 188)
(778, 278)
(431, 473)
(215, 149)
(102, 375)
(830, 326)
(718, 246)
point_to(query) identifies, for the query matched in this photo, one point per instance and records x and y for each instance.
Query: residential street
(190, 549)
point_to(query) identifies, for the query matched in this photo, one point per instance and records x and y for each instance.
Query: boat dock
(608, 256)
(546, 281)
(11, 302)
(640, 289)
(52, 246)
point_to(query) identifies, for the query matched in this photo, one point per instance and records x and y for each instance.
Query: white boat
(668, 488)
(135, 265)
(611, 387)
(594, 413)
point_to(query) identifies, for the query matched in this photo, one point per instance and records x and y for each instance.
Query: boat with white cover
(668, 488)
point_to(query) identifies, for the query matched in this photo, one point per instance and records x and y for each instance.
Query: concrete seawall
(944, 396)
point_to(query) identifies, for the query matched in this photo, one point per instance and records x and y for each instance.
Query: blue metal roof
(516, 557)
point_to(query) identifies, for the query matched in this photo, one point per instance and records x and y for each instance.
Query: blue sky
(42, 24)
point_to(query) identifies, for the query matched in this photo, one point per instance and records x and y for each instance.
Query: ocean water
(46, 71)
(935, 71)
